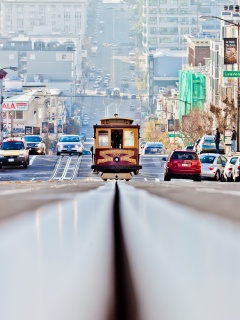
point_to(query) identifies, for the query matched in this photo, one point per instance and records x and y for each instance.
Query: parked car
(207, 145)
(14, 152)
(232, 170)
(36, 144)
(182, 164)
(86, 153)
(152, 148)
(213, 165)
(68, 143)
(189, 147)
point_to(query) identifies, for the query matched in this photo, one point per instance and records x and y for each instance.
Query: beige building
(43, 17)
(34, 109)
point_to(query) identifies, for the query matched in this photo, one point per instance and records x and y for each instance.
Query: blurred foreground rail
(118, 253)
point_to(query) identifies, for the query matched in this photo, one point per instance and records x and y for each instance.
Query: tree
(152, 132)
(196, 124)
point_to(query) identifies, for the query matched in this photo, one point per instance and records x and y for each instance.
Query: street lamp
(238, 66)
(2, 76)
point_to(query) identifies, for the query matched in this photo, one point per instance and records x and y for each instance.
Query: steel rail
(68, 165)
(118, 253)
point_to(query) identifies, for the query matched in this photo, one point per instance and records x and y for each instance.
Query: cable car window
(116, 137)
(128, 138)
(103, 138)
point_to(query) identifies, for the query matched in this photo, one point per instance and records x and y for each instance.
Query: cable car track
(66, 167)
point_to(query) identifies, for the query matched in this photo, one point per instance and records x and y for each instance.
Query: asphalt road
(206, 196)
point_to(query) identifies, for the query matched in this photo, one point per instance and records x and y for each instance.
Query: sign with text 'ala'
(14, 106)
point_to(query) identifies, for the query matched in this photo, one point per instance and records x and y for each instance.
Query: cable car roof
(116, 120)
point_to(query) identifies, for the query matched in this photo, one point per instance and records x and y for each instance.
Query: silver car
(212, 165)
(232, 170)
(69, 143)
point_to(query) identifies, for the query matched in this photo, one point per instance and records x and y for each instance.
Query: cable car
(116, 149)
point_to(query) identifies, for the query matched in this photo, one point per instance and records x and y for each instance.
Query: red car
(183, 164)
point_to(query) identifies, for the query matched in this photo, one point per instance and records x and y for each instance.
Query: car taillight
(230, 169)
(170, 164)
(238, 167)
(211, 168)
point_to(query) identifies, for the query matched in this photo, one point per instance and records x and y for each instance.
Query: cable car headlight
(116, 159)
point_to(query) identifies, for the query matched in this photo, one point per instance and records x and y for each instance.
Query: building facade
(165, 22)
(43, 17)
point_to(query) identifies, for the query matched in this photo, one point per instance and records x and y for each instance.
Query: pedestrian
(217, 140)
(233, 140)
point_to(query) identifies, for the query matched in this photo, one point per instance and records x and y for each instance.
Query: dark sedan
(35, 144)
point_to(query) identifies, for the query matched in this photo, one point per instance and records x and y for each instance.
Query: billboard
(171, 125)
(36, 130)
(44, 127)
(28, 130)
(51, 127)
(230, 50)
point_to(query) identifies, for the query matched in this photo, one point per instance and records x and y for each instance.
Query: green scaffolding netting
(192, 91)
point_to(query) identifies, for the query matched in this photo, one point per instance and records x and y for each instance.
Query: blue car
(153, 148)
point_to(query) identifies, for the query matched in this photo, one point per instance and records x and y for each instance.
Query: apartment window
(152, 40)
(173, 2)
(19, 23)
(168, 31)
(20, 9)
(152, 30)
(163, 10)
(153, 3)
(42, 22)
(18, 115)
(152, 11)
(42, 9)
(153, 20)
(184, 30)
(184, 2)
(8, 9)
(67, 15)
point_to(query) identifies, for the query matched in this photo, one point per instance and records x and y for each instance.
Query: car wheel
(217, 176)
(197, 178)
(25, 165)
(167, 178)
(136, 172)
(236, 179)
(0, 166)
(58, 153)
(229, 179)
(223, 178)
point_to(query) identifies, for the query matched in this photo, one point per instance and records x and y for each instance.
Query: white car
(96, 85)
(69, 143)
(213, 165)
(98, 91)
(232, 170)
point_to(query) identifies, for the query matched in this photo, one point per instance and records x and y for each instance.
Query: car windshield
(184, 156)
(32, 139)
(69, 139)
(208, 140)
(13, 145)
(154, 145)
(207, 159)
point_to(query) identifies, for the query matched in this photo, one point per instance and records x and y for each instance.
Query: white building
(165, 22)
(48, 17)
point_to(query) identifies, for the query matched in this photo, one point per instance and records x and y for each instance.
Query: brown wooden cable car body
(116, 148)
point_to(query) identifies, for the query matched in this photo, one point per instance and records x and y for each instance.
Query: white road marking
(31, 160)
